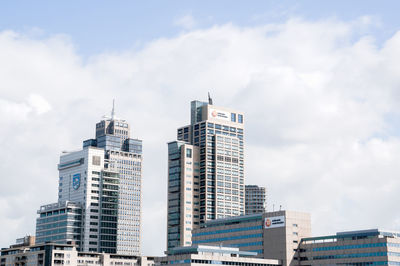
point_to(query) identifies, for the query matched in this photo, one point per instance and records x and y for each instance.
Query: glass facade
(366, 247)
(255, 199)
(59, 223)
(109, 212)
(174, 199)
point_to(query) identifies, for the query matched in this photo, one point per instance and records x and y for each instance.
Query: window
(240, 119)
(233, 117)
(189, 153)
(96, 160)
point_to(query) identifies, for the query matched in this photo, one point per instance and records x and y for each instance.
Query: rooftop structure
(217, 255)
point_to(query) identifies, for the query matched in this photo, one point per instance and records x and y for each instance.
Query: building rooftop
(209, 249)
(357, 234)
(58, 205)
(233, 219)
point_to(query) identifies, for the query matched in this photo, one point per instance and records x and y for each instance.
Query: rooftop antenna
(113, 110)
(210, 102)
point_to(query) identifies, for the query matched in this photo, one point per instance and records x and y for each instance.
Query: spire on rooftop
(209, 99)
(113, 110)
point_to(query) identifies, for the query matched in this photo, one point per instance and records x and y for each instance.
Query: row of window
(218, 262)
(58, 218)
(259, 227)
(371, 245)
(357, 255)
(220, 239)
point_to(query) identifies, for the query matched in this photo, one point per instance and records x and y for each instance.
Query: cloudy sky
(319, 86)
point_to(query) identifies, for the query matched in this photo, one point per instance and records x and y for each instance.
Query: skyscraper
(104, 178)
(205, 171)
(255, 199)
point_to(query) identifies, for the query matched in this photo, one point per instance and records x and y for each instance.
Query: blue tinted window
(240, 119)
(233, 117)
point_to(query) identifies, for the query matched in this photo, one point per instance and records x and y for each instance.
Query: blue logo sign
(76, 181)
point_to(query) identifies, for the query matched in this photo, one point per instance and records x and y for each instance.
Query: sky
(318, 83)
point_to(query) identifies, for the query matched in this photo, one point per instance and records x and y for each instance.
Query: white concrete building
(51, 254)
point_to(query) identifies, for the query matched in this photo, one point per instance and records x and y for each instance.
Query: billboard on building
(274, 222)
(219, 114)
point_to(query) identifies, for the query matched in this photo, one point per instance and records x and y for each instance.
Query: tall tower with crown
(103, 182)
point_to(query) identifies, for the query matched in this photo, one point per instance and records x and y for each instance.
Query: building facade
(365, 247)
(272, 235)
(215, 136)
(255, 199)
(183, 188)
(214, 255)
(104, 179)
(59, 223)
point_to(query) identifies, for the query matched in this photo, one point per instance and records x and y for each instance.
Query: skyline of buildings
(205, 170)
(213, 217)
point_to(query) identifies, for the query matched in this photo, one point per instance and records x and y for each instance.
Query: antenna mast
(113, 110)
(209, 99)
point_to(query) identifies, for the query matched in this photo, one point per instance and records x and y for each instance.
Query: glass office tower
(217, 188)
(104, 180)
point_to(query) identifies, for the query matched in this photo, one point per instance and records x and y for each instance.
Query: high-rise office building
(104, 179)
(205, 171)
(255, 199)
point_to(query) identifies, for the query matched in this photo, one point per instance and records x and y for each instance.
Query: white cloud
(187, 22)
(11, 110)
(319, 101)
(39, 104)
